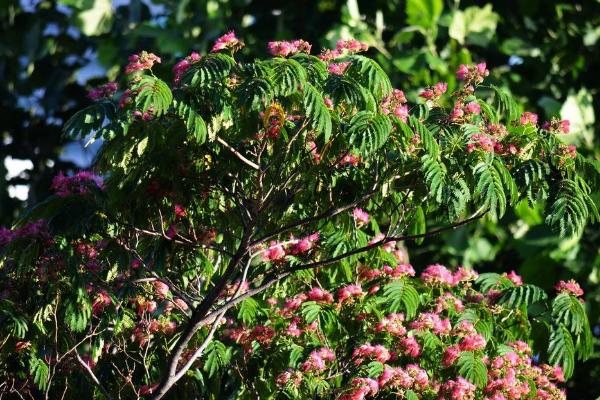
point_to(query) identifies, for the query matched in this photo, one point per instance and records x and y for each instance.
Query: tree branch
(238, 154)
(93, 377)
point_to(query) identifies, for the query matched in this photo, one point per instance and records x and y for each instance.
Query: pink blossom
(161, 289)
(80, 183)
(410, 347)
(105, 91)
(472, 342)
(351, 46)
(146, 390)
(514, 278)
(528, 118)
(464, 275)
(348, 292)
(434, 92)
(274, 252)
(367, 350)
(227, 42)
(394, 104)
(350, 159)
(437, 274)
(557, 126)
(450, 356)
(288, 48)
(319, 295)
(459, 389)
(433, 322)
(317, 359)
(141, 61)
(473, 108)
(392, 324)
(461, 72)
(101, 300)
(399, 271)
(360, 216)
(569, 287)
(182, 66)
(338, 68)
(179, 210)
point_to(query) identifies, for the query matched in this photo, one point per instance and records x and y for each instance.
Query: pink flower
(179, 210)
(460, 389)
(473, 108)
(351, 46)
(410, 347)
(80, 183)
(433, 322)
(464, 275)
(161, 289)
(528, 118)
(101, 300)
(367, 350)
(569, 287)
(434, 92)
(319, 295)
(145, 390)
(472, 74)
(360, 216)
(317, 359)
(472, 342)
(437, 274)
(288, 48)
(182, 66)
(394, 104)
(338, 68)
(557, 126)
(461, 72)
(227, 42)
(392, 324)
(141, 61)
(514, 278)
(105, 91)
(450, 356)
(274, 252)
(350, 159)
(348, 292)
(400, 270)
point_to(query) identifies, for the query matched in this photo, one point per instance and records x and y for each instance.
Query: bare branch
(93, 376)
(238, 154)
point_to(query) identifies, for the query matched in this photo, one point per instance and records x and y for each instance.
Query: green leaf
(475, 23)
(370, 75)
(153, 94)
(310, 311)
(193, 121)
(78, 310)
(39, 371)
(568, 311)
(517, 296)
(89, 120)
(248, 310)
(368, 131)
(424, 13)
(216, 357)
(472, 368)
(400, 294)
(561, 349)
(211, 70)
(288, 76)
(317, 111)
(572, 207)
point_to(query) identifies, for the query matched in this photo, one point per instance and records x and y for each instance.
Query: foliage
(253, 178)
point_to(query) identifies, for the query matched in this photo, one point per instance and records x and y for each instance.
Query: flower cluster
(528, 118)
(141, 61)
(31, 230)
(105, 91)
(570, 287)
(279, 250)
(286, 48)
(395, 104)
(228, 41)
(338, 68)
(472, 74)
(434, 92)
(343, 47)
(557, 126)
(80, 183)
(182, 66)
